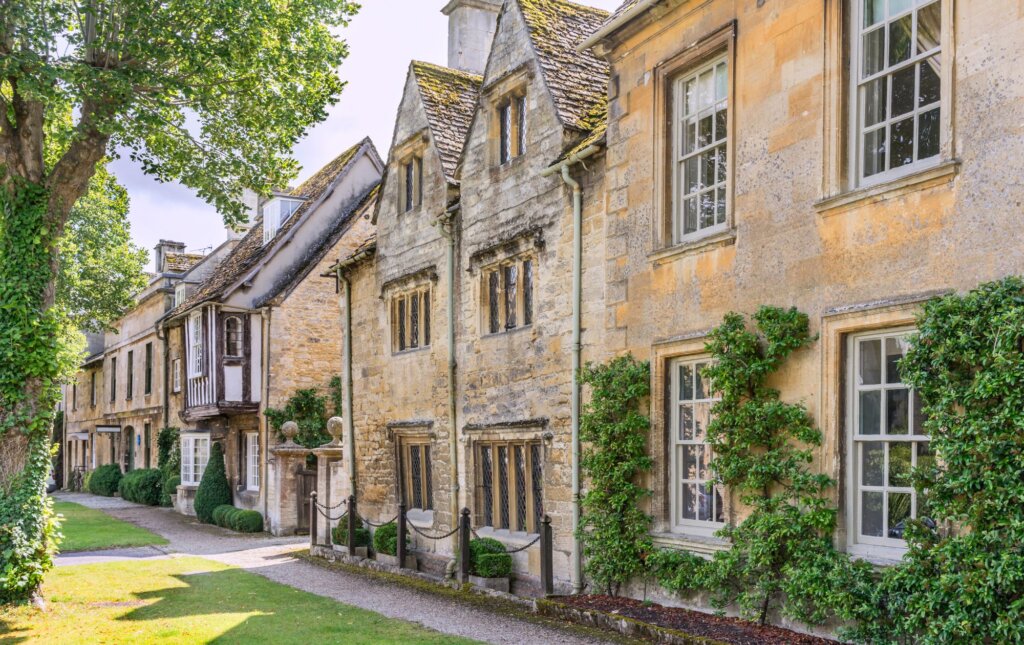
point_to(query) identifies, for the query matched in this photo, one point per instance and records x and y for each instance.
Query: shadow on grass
(8, 635)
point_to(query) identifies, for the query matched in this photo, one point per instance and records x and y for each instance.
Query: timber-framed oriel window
(416, 469)
(196, 339)
(898, 87)
(509, 484)
(697, 502)
(508, 289)
(410, 319)
(885, 440)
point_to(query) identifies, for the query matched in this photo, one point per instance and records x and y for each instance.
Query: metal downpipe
(346, 359)
(577, 270)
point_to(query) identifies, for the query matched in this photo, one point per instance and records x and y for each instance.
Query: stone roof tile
(181, 262)
(449, 99)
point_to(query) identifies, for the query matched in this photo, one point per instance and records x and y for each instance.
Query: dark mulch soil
(720, 628)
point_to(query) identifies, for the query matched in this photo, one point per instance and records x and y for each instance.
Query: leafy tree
(309, 411)
(614, 530)
(212, 94)
(214, 489)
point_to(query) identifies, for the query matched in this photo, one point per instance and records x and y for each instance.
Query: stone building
(840, 157)
(117, 403)
(262, 325)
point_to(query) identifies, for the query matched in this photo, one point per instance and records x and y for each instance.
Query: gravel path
(271, 558)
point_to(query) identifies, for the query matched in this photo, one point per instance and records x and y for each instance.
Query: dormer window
(511, 128)
(180, 293)
(412, 183)
(275, 213)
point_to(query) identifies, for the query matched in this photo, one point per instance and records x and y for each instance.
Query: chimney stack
(471, 25)
(162, 249)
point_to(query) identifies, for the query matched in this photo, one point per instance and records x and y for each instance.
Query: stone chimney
(471, 25)
(161, 250)
(251, 201)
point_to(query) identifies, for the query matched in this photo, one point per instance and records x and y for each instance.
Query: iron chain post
(312, 519)
(401, 536)
(547, 578)
(464, 532)
(351, 525)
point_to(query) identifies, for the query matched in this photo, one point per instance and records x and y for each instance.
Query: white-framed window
(510, 485)
(180, 293)
(508, 289)
(233, 336)
(410, 319)
(252, 461)
(195, 452)
(275, 213)
(699, 150)
(196, 355)
(176, 374)
(412, 183)
(896, 59)
(697, 501)
(511, 127)
(885, 441)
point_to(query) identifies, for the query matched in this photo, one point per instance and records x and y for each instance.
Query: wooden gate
(306, 485)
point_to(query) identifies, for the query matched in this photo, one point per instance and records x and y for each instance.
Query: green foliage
(219, 513)
(962, 581)
(143, 486)
(385, 539)
(86, 478)
(57, 439)
(613, 527)
(307, 409)
(680, 572)
(167, 447)
(213, 489)
(488, 558)
(339, 533)
(169, 490)
(336, 392)
(105, 480)
(237, 519)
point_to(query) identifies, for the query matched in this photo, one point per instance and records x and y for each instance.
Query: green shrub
(105, 480)
(143, 486)
(213, 489)
(170, 490)
(166, 446)
(340, 533)
(219, 514)
(245, 521)
(385, 539)
(86, 478)
(489, 559)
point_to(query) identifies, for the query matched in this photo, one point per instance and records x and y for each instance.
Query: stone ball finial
(335, 426)
(289, 430)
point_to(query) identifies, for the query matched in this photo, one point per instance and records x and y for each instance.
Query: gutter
(577, 346)
(266, 318)
(167, 368)
(610, 27)
(445, 225)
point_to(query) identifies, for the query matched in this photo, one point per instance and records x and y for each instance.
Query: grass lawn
(192, 600)
(86, 529)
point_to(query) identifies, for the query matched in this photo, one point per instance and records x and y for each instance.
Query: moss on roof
(449, 98)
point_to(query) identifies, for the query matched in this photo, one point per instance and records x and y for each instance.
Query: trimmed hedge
(105, 480)
(489, 559)
(170, 490)
(237, 519)
(340, 533)
(142, 486)
(213, 489)
(385, 539)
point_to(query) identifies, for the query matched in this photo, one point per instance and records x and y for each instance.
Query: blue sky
(382, 38)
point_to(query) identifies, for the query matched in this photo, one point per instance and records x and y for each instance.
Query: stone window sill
(412, 350)
(685, 249)
(507, 537)
(698, 544)
(420, 518)
(920, 180)
(878, 556)
(506, 332)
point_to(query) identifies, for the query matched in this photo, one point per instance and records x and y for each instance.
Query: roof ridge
(447, 70)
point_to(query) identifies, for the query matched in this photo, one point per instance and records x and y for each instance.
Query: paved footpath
(271, 558)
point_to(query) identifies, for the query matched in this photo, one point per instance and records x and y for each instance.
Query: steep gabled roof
(597, 127)
(449, 99)
(577, 81)
(301, 268)
(251, 250)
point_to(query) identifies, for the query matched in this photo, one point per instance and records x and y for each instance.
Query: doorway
(128, 439)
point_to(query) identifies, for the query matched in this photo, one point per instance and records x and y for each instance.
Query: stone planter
(392, 560)
(361, 551)
(495, 584)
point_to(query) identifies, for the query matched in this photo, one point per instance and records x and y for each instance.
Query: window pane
(874, 52)
(895, 350)
(870, 412)
(870, 362)
(899, 6)
(872, 465)
(871, 518)
(903, 90)
(897, 411)
(426, 317)
(701, 418)
(899, 39)
(692, 456)
(537, 477)
(719, 506)
(721, 165)
(428, 501)
(918, 415)
(690, 93)
(415, 477)
(511, 278)
(686, 382)
(520, 464)
(686, 422)
(408, 185)
(929, 27)
(487, 485)
(505, 118)
(503, 492)
(707, 209)
(706, 90)
(721, 82)
(925, 456)
(874, 152)
(704, 133)
(931, 83)
(874, 11)
(708, 168)
(690, 216)
(401, 324)
(901, 143)
(690, 502)
(928, 134)
(899, 513)
(521, 124)
(492, 299)
(899, 463)
(875, 96)
(691, 177)
(414, 320)
(720, 206)
(527, 292)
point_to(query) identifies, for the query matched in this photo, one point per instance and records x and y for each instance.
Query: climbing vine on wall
(307, 408)
(613, 527)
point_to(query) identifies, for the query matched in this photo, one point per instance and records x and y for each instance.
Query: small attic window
(511, 128)
(412, 183)
(180, 293)
(275, 213)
